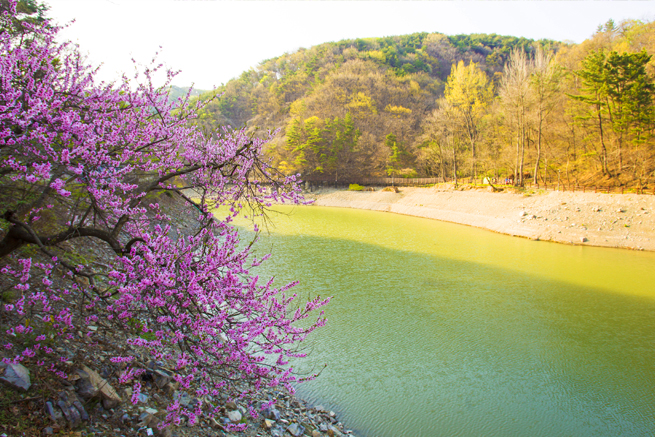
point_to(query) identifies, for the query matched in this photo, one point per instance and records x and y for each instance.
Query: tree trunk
(455, 163)
(602, 144)
(536, 165)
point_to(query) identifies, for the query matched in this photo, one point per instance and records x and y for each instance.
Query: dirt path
(611, 220)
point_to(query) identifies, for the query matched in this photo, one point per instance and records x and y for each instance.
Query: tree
(469, 93)
(618, 92)
(516, 96)
(83, 164)
(545, 80)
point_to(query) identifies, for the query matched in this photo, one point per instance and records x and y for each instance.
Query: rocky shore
(87, 399)
(624, 221)
(91, 402)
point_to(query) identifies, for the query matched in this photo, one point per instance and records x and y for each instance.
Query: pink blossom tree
(86, 164)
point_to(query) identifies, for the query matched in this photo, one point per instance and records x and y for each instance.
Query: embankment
(611, 220)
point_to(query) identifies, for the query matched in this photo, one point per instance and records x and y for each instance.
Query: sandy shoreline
(611, 220)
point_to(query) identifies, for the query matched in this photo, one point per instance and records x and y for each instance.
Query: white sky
(214, 41)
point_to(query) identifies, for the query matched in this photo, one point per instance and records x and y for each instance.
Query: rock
(90, 384)
(231, 406)
(48, 430)
(271, 413)
(268, 423)
(522, 214)
(70, 413)
(16, 376)
(185, 400)
(334, 432)
(143, 398)
(55, 414)
(316, 433)
(80, 408)
(161, 378)
(583, 240)
(296, 430)
(169, 389)
(234, 416)
(278, 431)
(152, 410)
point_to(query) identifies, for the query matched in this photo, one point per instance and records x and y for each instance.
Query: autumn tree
(468, 93)
(517, 99)
(545, 86)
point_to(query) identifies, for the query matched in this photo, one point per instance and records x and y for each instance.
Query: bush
(355, 187)
(86, 165)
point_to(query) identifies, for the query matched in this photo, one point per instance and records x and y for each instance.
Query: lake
(437, 329)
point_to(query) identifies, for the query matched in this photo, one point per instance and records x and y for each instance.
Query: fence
(419, 182)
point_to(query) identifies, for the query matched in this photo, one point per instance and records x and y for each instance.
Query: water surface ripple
(438, 329)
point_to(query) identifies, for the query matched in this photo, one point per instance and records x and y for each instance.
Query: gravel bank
(624, 221)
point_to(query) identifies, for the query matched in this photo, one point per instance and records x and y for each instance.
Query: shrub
(355, 187)
(82, 161)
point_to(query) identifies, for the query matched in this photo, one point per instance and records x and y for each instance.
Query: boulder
(16, 376)
(296, 430)
(161, 378)
(234, 416)
(54, 413)
(91, 384)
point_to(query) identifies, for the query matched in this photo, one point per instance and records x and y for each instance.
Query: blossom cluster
(87, 160)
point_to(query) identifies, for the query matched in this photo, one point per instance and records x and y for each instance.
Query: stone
(334, 432)
(231, 406)
(161, 378)
(271, 413)
(16, 376)
(143, 398)
(316, 433)
(234, 416)
(80, 408)
(296, 430)
(70, 413)
(152, 410)
(171, 387)
(278, 431)
(54, 413)
(309, 427)
(90, 384)
(48, 430)
(583, 239)
(268, 423)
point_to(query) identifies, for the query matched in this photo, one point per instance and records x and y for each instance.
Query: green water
(438, 329)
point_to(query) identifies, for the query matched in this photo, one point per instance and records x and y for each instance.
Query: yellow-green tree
(545, 85)
(468, 92)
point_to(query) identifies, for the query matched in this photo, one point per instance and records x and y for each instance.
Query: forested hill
(425, 104)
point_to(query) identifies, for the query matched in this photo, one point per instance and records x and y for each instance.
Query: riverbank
(624, 221)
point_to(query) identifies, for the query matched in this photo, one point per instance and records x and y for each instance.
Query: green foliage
(355, 187)
(321, 146)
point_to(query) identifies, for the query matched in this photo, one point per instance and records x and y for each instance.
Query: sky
(212, 42)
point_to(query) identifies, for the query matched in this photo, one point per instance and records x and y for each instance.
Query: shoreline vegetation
(625, 221)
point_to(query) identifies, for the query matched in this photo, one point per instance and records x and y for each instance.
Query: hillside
(375, 86)
(380, 106)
